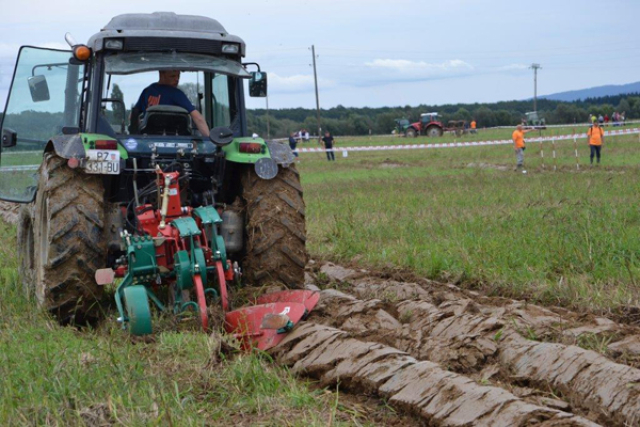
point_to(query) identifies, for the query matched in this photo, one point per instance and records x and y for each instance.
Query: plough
(177, 253)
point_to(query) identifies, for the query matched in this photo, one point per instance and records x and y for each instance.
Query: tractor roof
(165, 25)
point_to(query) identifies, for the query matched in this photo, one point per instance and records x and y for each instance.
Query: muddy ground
(451, 357)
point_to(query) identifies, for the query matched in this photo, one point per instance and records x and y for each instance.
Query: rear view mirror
(9, 137)
(258, 84)
(39, 88)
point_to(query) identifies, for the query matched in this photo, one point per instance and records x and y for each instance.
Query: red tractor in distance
(428, 125)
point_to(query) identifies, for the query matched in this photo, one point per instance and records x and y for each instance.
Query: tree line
(341, 120)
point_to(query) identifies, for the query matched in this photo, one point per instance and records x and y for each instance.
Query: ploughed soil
(450, 357)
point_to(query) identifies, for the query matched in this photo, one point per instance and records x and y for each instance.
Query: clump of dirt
(392, 164)
(488, 166)
(9, 211)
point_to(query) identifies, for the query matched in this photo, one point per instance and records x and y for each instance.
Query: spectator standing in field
(293, 143)
(623, 117)
(606, 120)
(328, 143)
(519, 146)
(595, 136)
(473, 126)
(600, 119)
(305, 136)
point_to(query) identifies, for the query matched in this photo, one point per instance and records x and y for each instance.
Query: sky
(378, 53)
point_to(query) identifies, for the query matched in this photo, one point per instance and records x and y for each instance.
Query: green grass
(52, 375)
(567, 237)
(482, 135)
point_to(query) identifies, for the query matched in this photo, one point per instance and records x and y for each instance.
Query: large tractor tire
(275, 229)
(67, 225)
(434, 131)
(411, 133)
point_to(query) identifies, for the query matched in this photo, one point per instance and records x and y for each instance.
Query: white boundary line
(465, 144)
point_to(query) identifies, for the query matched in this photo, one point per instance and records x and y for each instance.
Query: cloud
(513, 67)
(421, 68)
(297, 83)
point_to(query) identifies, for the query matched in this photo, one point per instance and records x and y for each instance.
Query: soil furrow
(419, 387)
(491, 344)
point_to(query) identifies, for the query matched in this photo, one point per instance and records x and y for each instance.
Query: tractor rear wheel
(434, 131)
(68, 244)
(275, 228)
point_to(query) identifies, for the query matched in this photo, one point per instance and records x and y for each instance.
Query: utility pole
(315, 79)
(268, 124)
(535, 68)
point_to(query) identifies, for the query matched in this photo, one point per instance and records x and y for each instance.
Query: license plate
(103, 162)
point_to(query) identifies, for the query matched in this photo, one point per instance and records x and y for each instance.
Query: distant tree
(462, 114)
(624, 106)
(119, 110)
(191, 90)
(485, 117)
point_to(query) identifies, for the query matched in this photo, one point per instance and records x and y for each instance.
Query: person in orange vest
(519, 146)
(595, 136)
(473, 126)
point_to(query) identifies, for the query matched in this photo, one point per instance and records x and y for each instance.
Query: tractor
(429, 125)
(401, 126)
(144, 206)
(532, 119)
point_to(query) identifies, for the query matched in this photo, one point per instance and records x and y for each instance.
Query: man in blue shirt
(166, 92)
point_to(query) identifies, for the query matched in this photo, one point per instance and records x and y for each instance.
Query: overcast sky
(381, 52)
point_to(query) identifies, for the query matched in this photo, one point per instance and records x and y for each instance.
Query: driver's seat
(166, 120)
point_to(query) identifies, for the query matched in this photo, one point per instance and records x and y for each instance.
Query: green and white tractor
(149, 199)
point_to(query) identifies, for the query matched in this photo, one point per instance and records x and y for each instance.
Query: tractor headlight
(114, 44)
(230, 48)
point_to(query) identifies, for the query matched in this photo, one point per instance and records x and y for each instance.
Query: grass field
(50, 375)
(567, 237)
(482, 135)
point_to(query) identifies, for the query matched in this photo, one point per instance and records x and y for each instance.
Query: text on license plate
(103, 162)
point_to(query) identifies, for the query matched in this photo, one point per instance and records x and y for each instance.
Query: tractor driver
(166, 92)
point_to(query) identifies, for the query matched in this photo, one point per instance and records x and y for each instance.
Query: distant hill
(594, 92)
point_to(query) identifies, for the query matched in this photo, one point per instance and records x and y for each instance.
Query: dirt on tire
(275, 229)
(61, 242)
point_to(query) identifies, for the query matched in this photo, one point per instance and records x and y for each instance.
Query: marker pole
(575, 147)
(555, 160)
(542, 154)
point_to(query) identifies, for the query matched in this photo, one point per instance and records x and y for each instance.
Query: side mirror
(9, 137)
(258, 84)
(39, 88)
(221, 136)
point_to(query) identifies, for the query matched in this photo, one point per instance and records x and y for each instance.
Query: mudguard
(279, 152)
(74, 146)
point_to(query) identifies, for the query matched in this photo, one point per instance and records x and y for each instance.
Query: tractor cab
(72, 101)
(426, 118)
